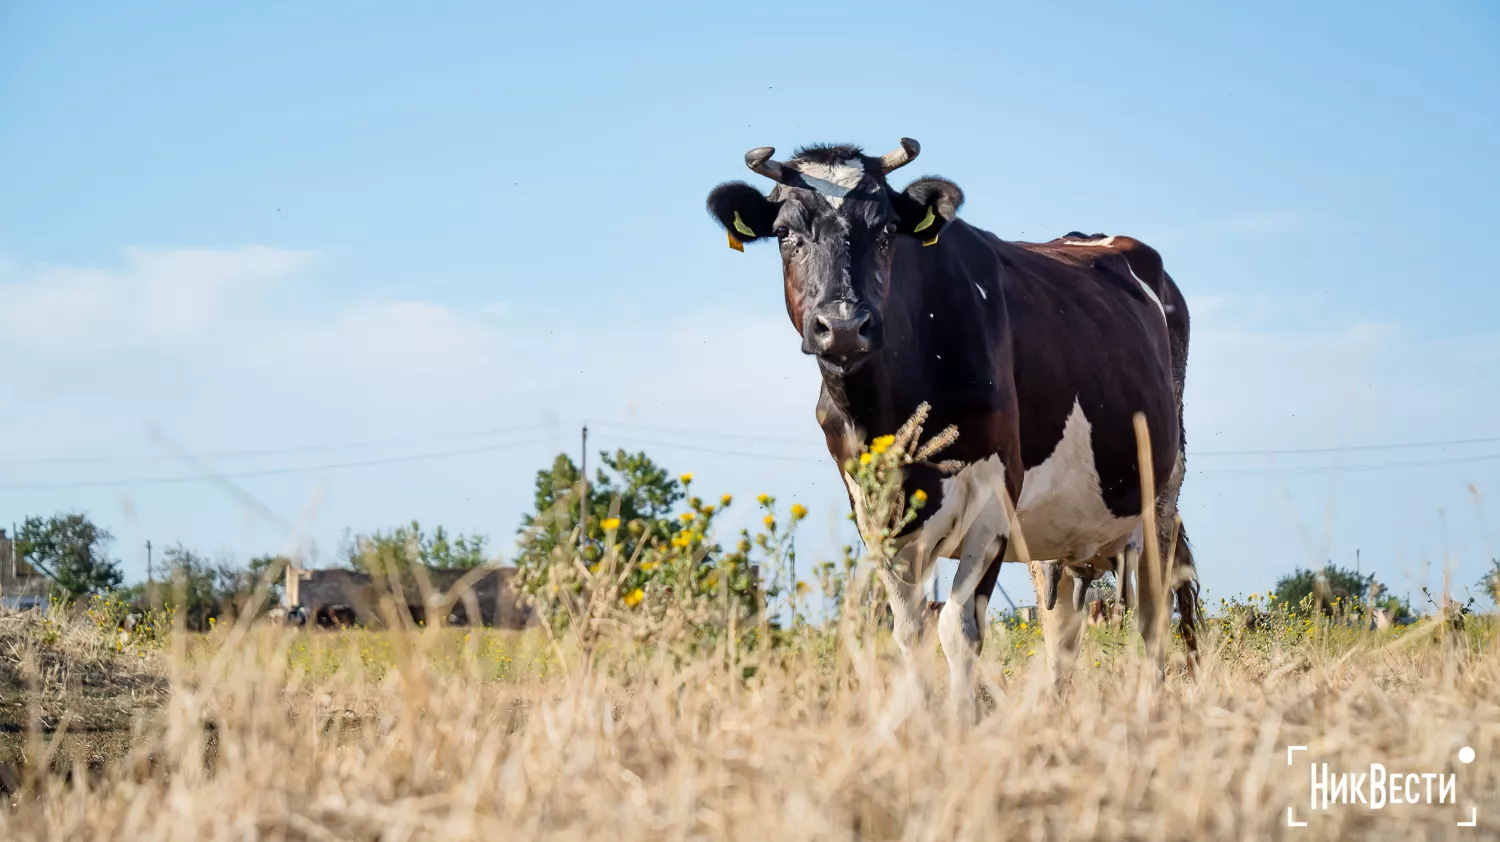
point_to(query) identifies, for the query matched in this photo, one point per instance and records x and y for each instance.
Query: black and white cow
(1040, 353)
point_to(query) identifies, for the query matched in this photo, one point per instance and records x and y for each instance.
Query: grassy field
(454, 734)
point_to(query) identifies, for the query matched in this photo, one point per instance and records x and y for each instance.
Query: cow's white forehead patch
(834, 181)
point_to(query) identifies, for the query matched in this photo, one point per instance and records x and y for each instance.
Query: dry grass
(445, 735)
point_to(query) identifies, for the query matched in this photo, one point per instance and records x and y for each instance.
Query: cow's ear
(743, 211)
(926, 206)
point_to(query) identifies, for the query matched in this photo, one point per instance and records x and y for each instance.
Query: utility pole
(150, 579)
(583, 501)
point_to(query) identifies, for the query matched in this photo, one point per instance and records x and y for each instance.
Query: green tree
(646, 491)
(652, 557)
(376, 552)
(1490, 581)
(73, 549)
(192, 586)
(1335, 583)
(258, 567)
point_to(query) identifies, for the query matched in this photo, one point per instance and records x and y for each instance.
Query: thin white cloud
(159, 295)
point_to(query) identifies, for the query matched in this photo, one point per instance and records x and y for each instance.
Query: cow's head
(839, 225)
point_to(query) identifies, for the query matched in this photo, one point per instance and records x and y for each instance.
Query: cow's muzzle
(841, 335)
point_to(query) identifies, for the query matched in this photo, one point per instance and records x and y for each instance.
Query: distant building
(21, 585)
(332, 597)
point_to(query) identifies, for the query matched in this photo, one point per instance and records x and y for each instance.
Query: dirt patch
(60, 676)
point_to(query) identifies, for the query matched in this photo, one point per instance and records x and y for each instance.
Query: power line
(1333, 469)
(653, 442)
(1356, 447)
(302, 469)
(625, 425)
(715, 433)
(700, 449)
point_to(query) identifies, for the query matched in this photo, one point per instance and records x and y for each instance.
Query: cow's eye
(890, 229)
(781, 231)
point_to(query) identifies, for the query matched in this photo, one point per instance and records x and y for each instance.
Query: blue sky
(369, 232)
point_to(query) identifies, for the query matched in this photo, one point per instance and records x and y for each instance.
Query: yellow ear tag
(933, 241)
(736, 244)
(925, 224)
(740, 226)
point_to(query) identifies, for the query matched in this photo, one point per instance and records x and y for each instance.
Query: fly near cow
(1040, 354)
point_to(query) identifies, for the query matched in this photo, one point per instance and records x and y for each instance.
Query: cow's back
(1093, 337)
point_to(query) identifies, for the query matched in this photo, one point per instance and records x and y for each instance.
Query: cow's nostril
(864, 329)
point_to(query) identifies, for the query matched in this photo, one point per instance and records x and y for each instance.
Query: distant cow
(1040, 354)
(335, 617)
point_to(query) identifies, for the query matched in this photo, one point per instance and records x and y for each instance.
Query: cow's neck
(925, 356)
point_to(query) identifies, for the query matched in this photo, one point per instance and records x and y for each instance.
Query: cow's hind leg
(1184, 584)
(983, 592)
(1062, 628)
(958, 628)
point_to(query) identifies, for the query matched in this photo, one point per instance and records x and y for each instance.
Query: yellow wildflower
(919, 497)
(1023, 626)
(770, 522)
(610, 524)
(799, 511)
(634, 598)
(682, 539)
(686, 478)
(882, 444)
(763, 499)
(1030, 652)
(686, 517)
(648, 566)
(708, 510)
(864, 458)
(726, 499)
(802, 588)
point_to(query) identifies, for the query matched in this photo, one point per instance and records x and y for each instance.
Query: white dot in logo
(1466, 755)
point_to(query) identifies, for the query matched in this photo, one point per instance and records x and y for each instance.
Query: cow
(1040, 354)
(335, 617)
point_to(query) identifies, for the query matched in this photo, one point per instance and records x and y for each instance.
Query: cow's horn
(1051, 575)
(759, 159)
(899, 158)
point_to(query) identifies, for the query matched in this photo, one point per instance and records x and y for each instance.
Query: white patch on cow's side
(982, 293)
(1092, 243)
(834, 181)
(1061, 510)
(1150, 293)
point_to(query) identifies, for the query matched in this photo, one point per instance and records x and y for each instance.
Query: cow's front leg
(959, 625)
(903, 588)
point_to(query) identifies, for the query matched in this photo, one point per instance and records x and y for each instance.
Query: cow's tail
(1183, 577)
